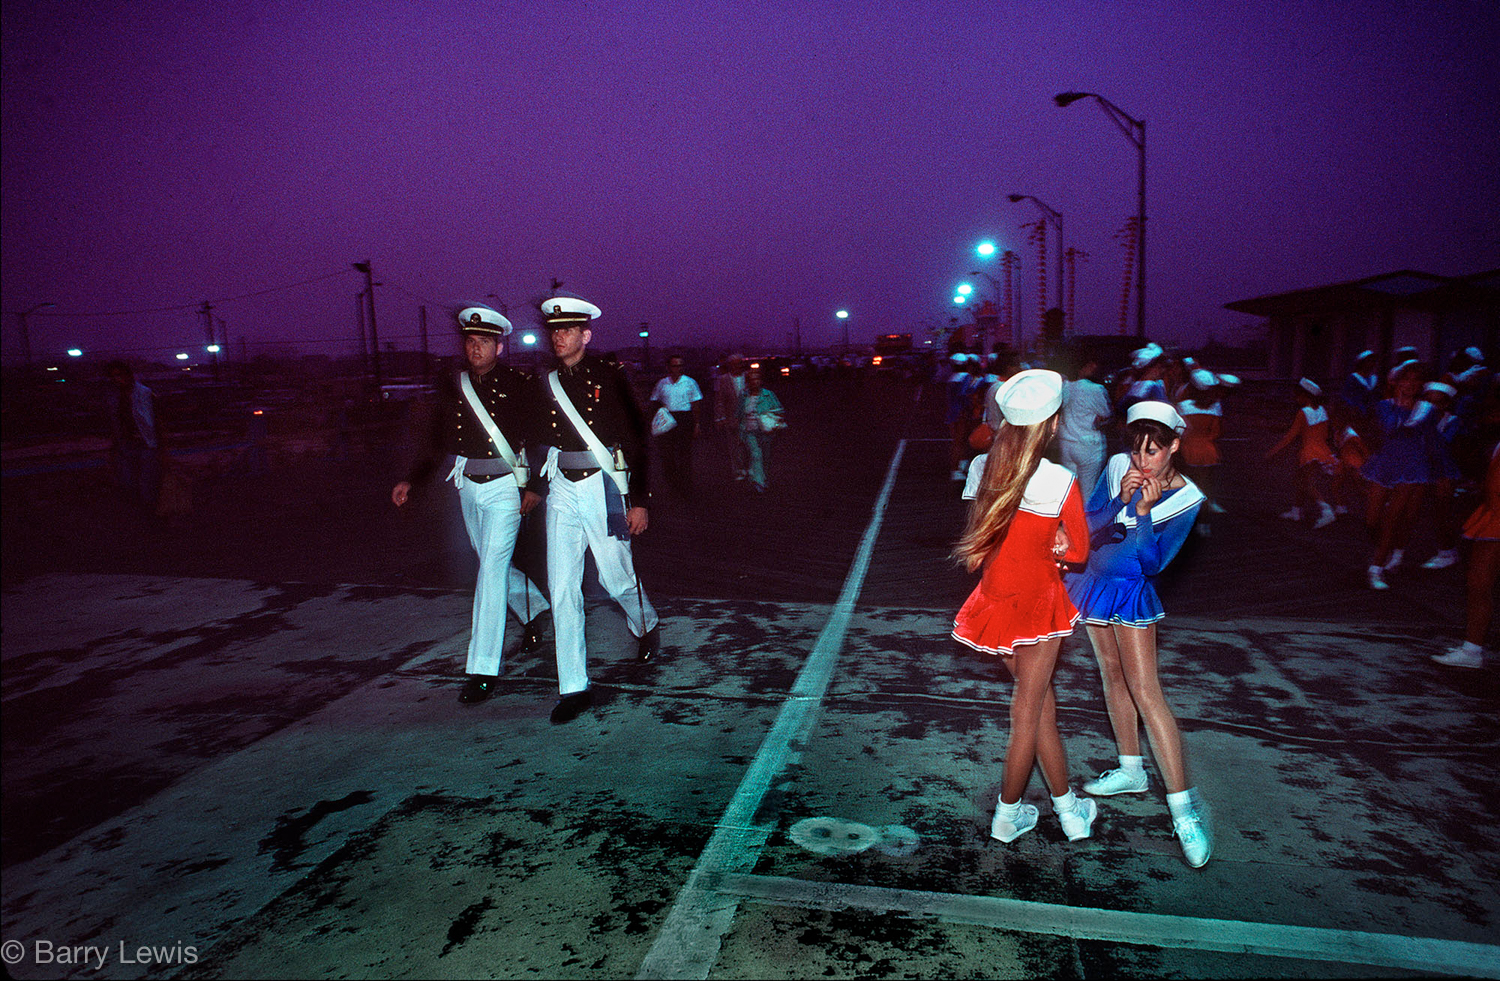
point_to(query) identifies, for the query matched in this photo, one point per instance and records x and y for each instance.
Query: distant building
(1317, 332)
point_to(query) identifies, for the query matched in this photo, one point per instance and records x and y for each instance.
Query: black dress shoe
(570, 706)
(478, 688)
(649, 646)
(531, 636)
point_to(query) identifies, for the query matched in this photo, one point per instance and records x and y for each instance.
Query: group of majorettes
(1027, 519)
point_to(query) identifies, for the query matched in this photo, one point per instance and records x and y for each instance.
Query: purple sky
(720, 169)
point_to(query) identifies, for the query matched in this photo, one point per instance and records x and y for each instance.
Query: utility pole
(422, 329)
(645, 346)
(359, 319)
(208, 333)
(364, 267)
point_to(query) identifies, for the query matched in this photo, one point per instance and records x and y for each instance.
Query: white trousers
(1086, 460)
(492, 516)
(576, 523)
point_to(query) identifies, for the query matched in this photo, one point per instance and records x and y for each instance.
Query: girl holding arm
(1027, 517)
(1140, 515)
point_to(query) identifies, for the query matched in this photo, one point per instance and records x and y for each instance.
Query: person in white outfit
(488, 470)
(595, 478)
(1080, 436)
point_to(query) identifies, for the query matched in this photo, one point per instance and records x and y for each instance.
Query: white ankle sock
(1008, 810)
(1067, 802)
(1180, 803)
(1472, 648)
(1133, 764)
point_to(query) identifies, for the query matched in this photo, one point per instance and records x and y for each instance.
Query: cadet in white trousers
(488, 471)
(595, 436)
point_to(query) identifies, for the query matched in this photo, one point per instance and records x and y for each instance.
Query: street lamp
(1135, 131)
(844, 316)
(1055, 217)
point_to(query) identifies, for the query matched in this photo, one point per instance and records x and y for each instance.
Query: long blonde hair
(1013, 458)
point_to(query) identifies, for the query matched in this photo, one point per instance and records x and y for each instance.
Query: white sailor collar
(1047, 489)
(1170, 506)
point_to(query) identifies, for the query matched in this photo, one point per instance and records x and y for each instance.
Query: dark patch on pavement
(285, 842)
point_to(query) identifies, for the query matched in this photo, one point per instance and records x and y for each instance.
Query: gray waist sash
(576, 460)
(494, 467)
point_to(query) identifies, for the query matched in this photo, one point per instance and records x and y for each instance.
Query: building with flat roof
(1318, 332)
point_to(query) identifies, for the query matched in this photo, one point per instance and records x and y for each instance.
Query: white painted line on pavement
(1147, 929)
(689, 941)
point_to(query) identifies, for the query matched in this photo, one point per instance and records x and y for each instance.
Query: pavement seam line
(1144, 929)
(687, 946)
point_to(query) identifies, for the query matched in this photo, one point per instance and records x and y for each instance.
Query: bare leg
(1484, 565)
(1138, 658)
(1406, 505)
(1373, 513)
(1123, 718)
(1032, 667)
(1050, 752)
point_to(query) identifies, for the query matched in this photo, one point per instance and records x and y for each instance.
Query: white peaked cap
(568, 310)
(1146, 355)
(480, 319)
(1203, 378)
(1309, 386)
(1029, 397)
(1390, 376)
(1160, 412)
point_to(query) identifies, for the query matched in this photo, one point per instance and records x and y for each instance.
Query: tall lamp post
(1135, 131)
(844, 316)
(1055, 219)
(26, 331)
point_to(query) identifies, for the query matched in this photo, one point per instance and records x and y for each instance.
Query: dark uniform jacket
(601, 393)
(511, 398)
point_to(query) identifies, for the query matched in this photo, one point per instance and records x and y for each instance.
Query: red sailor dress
(1020, 598)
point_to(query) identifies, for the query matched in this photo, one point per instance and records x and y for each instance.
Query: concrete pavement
(273, 777)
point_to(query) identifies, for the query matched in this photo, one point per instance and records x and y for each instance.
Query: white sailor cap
(1202, 379)
(1442, 387)
(958, 357)
(1229, 381)
(1159, 412)
(482, 320)
(1146, 355)
(1394, 373)
(567, 311)
(1472, 373)
(1029, 397)
(1309, 386)
(1364, 355)
(1474, 354)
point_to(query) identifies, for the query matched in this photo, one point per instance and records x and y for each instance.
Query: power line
(196, 304)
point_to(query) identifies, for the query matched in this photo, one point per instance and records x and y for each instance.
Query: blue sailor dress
(1127, 551)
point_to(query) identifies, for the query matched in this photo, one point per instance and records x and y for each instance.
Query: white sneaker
(1195, 840)
(1117, 781)
(1078, 822)
(1442, 560)
(1008, 829)
(1460, 658)
(1377, 581)
(1394, 562)
(1326, 516)
(1295, 514)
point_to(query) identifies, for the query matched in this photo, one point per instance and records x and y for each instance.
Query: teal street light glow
(985, 249)
(74, 352)
(212, 349)
(960, 299)
(965, 289)
(528, 339)
(182, 356)
(842, 315)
